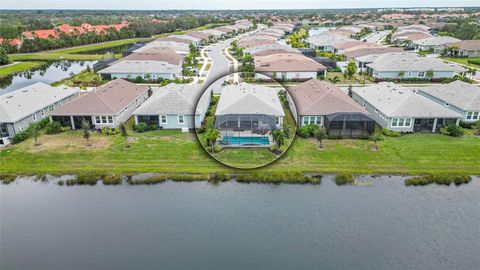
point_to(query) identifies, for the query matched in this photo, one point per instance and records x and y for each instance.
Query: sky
(225, 4)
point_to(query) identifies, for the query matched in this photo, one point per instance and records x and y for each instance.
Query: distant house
(436, 43)
(179, 48)
(411, 66)
(402, 109)
(146, 69)
(20, 108)
(326, 41)
(324, 104)
(309, 52)
(469, 48)
(459, 96)
(256, 41)
(282, 66)
(325, 61)
(108, 105)
(161, 54)
(271, 49)
(174, 106)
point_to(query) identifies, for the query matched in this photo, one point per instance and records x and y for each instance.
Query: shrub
(109, 131)
(60, 182)
(201, 130)
(7, 178)
(390, 133)
(21, 136)
(187, 177)
(344, 179)
(437, 179)
(452, 130)
(86, 179)
(218, 177)
(277, 178)
(112, 179)
(147, 181)
(53, 128)
(142, 127)
(464, 124)
(307, 131)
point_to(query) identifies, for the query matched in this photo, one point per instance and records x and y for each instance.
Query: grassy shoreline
(170, 151)
(19, 67)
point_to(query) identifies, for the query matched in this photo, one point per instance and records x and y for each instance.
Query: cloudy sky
(224, 4)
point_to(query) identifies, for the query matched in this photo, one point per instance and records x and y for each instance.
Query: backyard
(171, 151)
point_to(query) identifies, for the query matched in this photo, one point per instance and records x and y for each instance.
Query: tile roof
(110, 98)
(468, 45)
(286, 62)
(315, 97)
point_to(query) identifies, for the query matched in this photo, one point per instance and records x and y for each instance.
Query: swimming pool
(246, 140)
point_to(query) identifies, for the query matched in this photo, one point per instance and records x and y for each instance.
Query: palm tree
(334, 80)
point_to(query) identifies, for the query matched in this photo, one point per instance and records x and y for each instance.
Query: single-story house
(20, 108)
(324, 104)
(106, 106)
(469, 48)
(161, 54)
(282, 66)
(256, 41)
(146, 69)
(406, 65)
(270, 49)
(247, 113)
(353, 53)
(174, 106)
(402, 109)
(459, 96)
(326, 41)
(435, 43)
(179, 48)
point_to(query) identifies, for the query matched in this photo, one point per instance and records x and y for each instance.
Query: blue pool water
(231, 140)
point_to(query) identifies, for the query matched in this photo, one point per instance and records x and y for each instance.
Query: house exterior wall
(190, 121)
(469, 53)
(23, 124)
(371, 109)
(410, 74)
(301, 75)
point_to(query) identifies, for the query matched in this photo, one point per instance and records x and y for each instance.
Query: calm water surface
(240, 226)
(53, 72)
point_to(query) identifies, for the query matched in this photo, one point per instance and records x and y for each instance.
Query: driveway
(220, 65)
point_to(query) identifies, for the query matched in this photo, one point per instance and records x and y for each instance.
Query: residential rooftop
(286, 62)
(21, 103)
(460, 94)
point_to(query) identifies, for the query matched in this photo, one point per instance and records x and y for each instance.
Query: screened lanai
(349, 124)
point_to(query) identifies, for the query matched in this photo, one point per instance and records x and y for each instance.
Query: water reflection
(47, 73)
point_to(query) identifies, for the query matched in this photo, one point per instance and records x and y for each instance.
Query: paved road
(377, 36)
(219, 66)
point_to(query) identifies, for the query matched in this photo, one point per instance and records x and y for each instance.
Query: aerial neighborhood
(255, 83)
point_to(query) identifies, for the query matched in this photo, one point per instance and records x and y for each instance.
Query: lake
(52, 72)
(240, 226)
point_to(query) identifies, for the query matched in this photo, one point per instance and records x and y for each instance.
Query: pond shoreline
(340, 179)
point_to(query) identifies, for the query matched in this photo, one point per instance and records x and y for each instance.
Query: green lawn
(464, 61)
(172, 151)
(82, 79)
(57, 56)
(98, 46)
(18, 67)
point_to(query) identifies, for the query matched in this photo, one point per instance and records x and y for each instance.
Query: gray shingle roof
(396, 101)
(409, 61)
(459, 94)
(138, 66)
(174, 99)
(248, 98)
(21, 103)
(327, 39)
(436, 41)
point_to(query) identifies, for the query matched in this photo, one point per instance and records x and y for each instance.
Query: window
(110, 119)
(43, 113)
(421, 74)
(469, 115)
(34, 117)
(476, 115)
(410, 74)
(104, 119)
(163, 119)
(51, 108)
(401, 122)
(312, 120)
(394, 122)
(180, 119)
(98, 120)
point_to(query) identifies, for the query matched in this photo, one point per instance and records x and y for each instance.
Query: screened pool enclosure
(246, 129)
